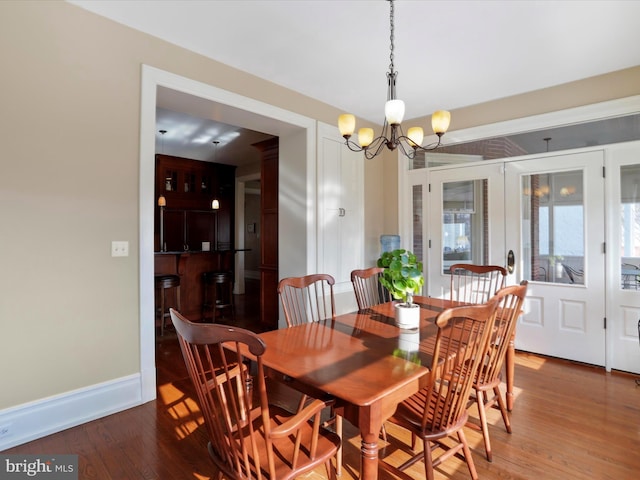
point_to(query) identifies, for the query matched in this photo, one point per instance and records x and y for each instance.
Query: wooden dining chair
(476, 284)
(249, 438)
(310, 299)
(367, 288)
(439, 411)
(510, 302)
(307, 299)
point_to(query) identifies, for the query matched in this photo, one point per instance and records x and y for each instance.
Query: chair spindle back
(367, 288)
(307, 299)
(476, 284)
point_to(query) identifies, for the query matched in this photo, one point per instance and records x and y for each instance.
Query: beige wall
(70, 125)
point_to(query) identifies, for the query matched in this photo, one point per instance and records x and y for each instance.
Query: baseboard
(38, 419)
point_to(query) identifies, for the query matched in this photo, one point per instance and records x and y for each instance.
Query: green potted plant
(403, 278)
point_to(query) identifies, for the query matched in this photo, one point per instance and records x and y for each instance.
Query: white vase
(407, 316)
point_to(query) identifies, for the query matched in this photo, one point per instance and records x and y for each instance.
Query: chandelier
(392, 134)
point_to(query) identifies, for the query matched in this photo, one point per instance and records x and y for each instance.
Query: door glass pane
(553, 227)
(464, 223)
(417, 222)
(630, 227)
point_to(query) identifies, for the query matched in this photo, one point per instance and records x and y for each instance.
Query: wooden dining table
(363, 360)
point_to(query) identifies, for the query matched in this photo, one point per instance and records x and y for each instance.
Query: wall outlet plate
(119, 249)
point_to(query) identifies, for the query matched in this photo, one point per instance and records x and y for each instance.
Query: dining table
(364, 361)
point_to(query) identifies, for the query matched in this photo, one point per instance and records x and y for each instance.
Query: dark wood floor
(570, 421)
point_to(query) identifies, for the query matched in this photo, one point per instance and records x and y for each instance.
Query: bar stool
(218, 293)
(162, 284)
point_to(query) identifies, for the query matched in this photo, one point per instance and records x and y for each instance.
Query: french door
(556, 222)
(623, 250)
(468, 205)
(548, 214)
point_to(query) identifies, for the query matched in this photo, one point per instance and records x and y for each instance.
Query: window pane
(630, 226)
(464, 223)
(417, 221)
(553, 227)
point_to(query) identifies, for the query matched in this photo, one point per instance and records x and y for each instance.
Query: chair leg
(483, 424)
(331, 472)
(503, 409)
(428, 460)
(467, 454)
(339, 452)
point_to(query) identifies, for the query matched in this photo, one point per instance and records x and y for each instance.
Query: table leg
(510, 367)
(370, 422)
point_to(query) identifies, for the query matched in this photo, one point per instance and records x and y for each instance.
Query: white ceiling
(449, 54)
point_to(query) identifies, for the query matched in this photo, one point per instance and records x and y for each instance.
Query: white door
(468, 205)
(623, 246)
(556, 207)
(340, 208)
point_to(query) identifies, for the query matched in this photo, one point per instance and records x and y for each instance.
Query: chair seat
(167, 281)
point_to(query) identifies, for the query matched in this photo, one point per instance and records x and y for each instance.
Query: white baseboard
(38, 419)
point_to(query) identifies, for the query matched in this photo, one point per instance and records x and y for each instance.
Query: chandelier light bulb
(440, 122)
(365, 137)
(346, 124)
(416, 135)
(394, 111)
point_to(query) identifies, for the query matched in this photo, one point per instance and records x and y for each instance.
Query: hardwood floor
(570, 421)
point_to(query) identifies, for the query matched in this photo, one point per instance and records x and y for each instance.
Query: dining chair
(310, 299)
(249, 437)
(476, 284)
(307, 299)
(510, 302)
(439, 410)
(367, 287)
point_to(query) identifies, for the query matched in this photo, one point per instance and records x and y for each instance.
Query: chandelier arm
(370, 153)
(375, 145)
(431, 146)
(407, 150)
(353, 146)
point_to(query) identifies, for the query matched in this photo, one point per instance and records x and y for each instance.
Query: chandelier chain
(391, 66)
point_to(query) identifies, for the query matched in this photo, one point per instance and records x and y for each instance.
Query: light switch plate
(119, 249)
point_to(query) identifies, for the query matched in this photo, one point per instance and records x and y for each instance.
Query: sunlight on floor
(530, 361)
(181, 408)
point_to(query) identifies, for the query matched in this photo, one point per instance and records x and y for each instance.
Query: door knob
(511, 261)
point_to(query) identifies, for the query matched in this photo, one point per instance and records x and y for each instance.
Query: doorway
(297, 140)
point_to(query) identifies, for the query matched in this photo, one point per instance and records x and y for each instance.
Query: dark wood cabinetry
(189, 187)
(269, 237)
(187, 220)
